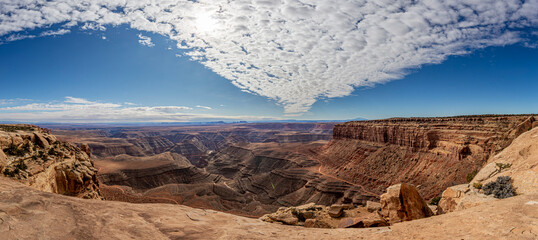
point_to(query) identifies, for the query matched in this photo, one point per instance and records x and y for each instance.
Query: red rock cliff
(432, 153)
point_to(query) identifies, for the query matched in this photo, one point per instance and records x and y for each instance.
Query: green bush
(435, 201)
(502, 166)
(501, 188)
(477, 185)
(471, 175)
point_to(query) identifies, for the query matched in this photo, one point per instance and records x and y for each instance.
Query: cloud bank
(80, 110)
(297, 52)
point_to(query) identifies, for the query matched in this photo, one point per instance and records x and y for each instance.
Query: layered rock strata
(431, 153)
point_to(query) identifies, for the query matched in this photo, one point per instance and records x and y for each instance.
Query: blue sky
(95, 71)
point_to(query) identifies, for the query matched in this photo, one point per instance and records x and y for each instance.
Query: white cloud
(81, 110)
(55, 32)
(204, 107)
(93, 26)
(145, 40)
(77, 100)
(294, 52)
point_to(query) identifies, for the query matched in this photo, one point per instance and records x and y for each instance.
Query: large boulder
(41, 140)
(402, 202)
(461, 197)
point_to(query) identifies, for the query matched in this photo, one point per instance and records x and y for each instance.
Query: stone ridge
(431, 153)
(36, 158)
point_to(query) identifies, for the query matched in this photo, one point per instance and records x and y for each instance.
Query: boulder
(41, 140)
(373, 206)
(460, 197)
(371, 220)
(286, 217)
(336, 210)
(402, 202)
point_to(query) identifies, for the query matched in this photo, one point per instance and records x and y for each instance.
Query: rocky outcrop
(380, 153)
(37, 159)
(318, 216)
(402, 202)
(519, 161)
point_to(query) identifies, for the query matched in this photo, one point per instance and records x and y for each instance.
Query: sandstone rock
(416, 150)
(306, 214)
(372, 220)
(373, 206)
(86, 148)
(523, 127)
(336, 210)
(402, 202)
(434, 209)
(3, 160)
(31, 214)
(315, 223)
(41, 140)
(461, 197)
(65, 170)
(284, 217)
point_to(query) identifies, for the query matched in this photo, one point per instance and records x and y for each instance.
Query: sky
(174, 61)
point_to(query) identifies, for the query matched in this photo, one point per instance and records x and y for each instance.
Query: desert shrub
(502, 166)
(9, 173)
(13, 150)
(471, 175)
(477, 185)
(435, 201)
(501, 188)
(52, 152)
(21, 165)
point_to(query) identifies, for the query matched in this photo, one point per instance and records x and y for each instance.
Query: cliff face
(432, 153)
(36, 158)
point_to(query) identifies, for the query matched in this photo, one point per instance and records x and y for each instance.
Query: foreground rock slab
(26, 213)
(402, 202)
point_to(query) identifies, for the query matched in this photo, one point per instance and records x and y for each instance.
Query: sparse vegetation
(21, 165)
(435, 201)
(501, 188)
(471, 175)
(477, 185)
(14, 128)
(52, 152)
(502, 166)
(14, 150)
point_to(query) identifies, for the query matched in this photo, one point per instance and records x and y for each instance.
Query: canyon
(202, 174)
(253, 169)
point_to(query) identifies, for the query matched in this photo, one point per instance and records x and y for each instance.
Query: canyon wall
(431, 153)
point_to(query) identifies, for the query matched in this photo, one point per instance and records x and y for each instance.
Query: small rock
(433, 208)
(373, 206)
(336, 210)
